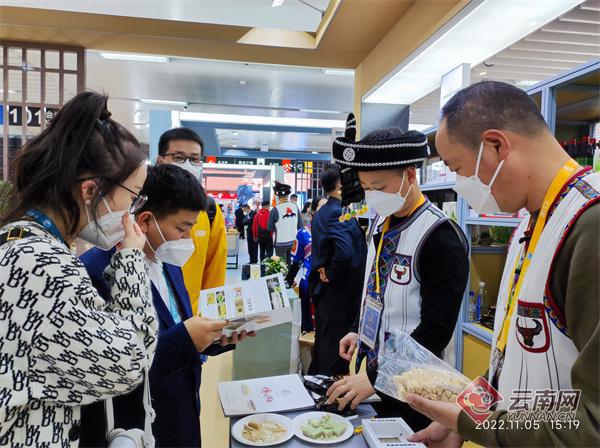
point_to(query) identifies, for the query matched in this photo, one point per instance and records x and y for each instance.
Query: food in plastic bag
(407, 367)
(431, 383)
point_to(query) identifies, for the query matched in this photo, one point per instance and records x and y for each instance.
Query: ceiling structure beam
(516, 62)
(590, 5)
(559, 26)
(542, 56)
(580, 15)
(563, 38)
(557, 48)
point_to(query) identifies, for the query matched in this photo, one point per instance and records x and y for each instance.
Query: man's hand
(235, 338)
(437, 436)
(353, 390)
(204, 331)
(439, 411)
(322, 275)
(348, 346)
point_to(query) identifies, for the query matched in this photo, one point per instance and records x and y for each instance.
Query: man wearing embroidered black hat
(417, 266)
(284, 221)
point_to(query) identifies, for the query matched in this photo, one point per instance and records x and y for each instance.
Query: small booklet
(250, 305)
(283, 393)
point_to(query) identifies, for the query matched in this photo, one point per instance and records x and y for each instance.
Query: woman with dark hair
(300, 257)
(305, 214)
(63, 346)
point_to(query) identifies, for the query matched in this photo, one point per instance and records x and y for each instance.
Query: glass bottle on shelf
(481, 299)
(472, 307)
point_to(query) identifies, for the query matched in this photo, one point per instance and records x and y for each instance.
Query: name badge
(369, 327)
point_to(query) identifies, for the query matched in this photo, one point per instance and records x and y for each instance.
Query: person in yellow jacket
(206, 267)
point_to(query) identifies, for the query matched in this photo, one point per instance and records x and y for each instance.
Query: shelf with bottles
(479, 331)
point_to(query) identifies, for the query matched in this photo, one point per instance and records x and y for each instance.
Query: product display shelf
(478, 249)
(502, 222)
(434, 187)
(479, 331)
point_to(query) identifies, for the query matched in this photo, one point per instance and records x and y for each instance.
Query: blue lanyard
(43, 220)
(173, 309)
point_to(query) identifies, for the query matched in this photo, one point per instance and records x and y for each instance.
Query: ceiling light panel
(134, 57)
(482, 29)
(261, 120)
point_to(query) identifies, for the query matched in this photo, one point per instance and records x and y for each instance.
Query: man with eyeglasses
(206, 267)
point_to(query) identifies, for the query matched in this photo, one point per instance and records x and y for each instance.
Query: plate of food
(322, 428)
(263, 430)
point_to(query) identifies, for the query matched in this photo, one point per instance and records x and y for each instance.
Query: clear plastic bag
(408, 367)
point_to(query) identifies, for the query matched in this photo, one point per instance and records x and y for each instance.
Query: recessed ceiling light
(236, 133)
(262, 120)
(482, 73)
(234, 145)
(338, 72)
(314, 152)
(242, 82)
(164, 102)
(321, 111)
(277, 3)
(134, 57)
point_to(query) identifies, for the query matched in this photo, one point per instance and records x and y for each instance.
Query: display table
(356, 441)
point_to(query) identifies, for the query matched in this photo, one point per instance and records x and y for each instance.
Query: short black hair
(389, 134)
(245, 205)
(177, 134)
(265, 203)
(491, 105)
(294, 196)
(170, 189)
(330, 178)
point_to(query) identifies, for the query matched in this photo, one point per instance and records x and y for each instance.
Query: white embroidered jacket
(61, 345)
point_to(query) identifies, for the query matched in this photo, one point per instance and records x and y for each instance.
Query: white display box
(388, 433)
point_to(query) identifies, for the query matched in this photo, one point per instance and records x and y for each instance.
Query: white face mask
(386, 204)
(194, 170)
(478, 195)
(107, 231)
(175, 252)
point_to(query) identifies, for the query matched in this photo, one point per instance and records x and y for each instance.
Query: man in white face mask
(547, 327)
(417, 266)
(174, 200)
(206, 266)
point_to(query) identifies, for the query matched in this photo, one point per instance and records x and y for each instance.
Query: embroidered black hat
(409, 148)
(281, 189)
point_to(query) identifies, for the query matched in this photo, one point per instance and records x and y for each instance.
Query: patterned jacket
(61, 345)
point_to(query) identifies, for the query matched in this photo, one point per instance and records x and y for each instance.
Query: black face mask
(352, 191)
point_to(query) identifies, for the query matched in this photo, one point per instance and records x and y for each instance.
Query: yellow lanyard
(561, 178)
(386, 227)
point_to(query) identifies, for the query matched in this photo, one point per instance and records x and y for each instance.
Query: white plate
(303, 419)
(238, 428)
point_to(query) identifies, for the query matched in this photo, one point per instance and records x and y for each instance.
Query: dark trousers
(252, 249)
(241, 232)
(284, 252)
(334, 318)
(266, 248)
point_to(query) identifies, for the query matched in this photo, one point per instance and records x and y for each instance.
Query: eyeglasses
(181, 158)
(139, 201)
(136, 205)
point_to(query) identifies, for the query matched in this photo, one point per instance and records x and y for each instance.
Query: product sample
(263, 432)
(431, 383)
(324, 428)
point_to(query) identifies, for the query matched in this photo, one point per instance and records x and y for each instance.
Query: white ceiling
(571, 40)
(292, 15)
(215, 87)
